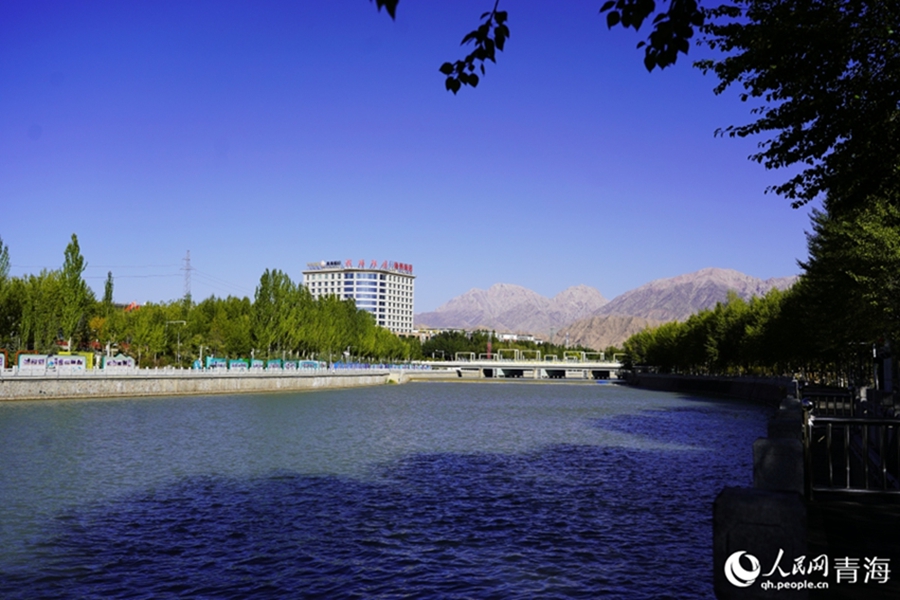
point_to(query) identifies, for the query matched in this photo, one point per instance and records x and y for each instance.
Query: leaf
(446, 68)
(613, 19)
(389, 5)
(607, 5)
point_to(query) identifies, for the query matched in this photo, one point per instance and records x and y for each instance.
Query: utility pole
(178, 353)
(187, 277)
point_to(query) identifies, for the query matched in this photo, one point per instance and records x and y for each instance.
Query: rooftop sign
(386, 265)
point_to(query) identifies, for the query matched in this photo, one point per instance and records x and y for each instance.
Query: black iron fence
(852, 443)
(853, 455)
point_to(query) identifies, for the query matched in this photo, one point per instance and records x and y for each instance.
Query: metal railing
(834, 403)
(855, 455)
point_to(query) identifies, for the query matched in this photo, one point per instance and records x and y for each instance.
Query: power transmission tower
(187, 277)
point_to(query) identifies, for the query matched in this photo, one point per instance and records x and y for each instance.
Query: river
(422, 490)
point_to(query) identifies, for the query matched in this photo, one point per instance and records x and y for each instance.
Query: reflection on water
(426, 490)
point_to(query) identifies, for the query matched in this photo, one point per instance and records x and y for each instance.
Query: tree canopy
(827, 76)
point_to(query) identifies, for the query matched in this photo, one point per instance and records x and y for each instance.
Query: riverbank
(182, 383)
(769, 391)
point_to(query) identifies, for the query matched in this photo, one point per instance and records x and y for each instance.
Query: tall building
(384, 290)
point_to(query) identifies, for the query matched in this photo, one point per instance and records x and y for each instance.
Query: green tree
(41, 311)
(271, 311)
(75, 294)
(4, 262)
(108, 293)
(851, 280)
(825, 75)
(9, 310)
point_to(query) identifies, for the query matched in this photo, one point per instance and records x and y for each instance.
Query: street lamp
(178, 352)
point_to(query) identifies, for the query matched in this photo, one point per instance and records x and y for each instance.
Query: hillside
(513, 308)
(602, 331)
(677, 298)
(586, 315)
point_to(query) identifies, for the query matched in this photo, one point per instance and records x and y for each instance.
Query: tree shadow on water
(701, 426)
(564, 522)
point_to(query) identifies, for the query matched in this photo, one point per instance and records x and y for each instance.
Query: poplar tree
(75, 295)
(108, 292)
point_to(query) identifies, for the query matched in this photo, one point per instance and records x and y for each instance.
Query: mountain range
(586, 316)
(512, 308)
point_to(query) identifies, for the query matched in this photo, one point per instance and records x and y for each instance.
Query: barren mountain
(513, 308)
(601, 331)
(587, 316)
(677, 298)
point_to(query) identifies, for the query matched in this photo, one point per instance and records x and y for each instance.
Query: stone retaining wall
(149, 384)
(767, 390)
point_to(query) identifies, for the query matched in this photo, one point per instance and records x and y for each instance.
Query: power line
(133, 276)
(215, 282)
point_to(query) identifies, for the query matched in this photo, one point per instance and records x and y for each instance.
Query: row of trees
(446, 345)
(56, 310)
(846, 302)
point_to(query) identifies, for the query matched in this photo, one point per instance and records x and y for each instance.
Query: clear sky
(271, 134)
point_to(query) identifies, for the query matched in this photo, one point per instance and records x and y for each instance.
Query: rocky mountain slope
(586, 315)
(601, 331)
(513, 308)
(677, 298)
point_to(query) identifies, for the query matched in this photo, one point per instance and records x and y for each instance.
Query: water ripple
(565, 522)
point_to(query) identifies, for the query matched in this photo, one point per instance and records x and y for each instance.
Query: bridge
(529, 364)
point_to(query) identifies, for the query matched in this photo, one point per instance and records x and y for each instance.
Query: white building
(385, 290)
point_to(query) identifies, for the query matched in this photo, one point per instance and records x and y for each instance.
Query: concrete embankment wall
(181, 383)
(766, 390)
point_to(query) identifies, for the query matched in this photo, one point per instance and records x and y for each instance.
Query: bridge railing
(852, 455)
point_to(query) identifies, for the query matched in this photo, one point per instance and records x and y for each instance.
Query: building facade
(386, 290)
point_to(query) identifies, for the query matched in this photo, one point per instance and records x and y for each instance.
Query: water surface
(426, 490)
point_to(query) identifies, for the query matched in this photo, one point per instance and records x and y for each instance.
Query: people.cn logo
(735, 572)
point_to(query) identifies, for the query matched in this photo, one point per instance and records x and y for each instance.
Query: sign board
(118, 362)
(216, 364)
(275, 363)
(33, 362)
(237, 364)
(73, 363)
(257, 364)
(88, 358)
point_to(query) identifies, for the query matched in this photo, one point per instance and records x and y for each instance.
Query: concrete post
(768, 526)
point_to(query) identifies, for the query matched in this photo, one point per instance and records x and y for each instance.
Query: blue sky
(271, 134)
